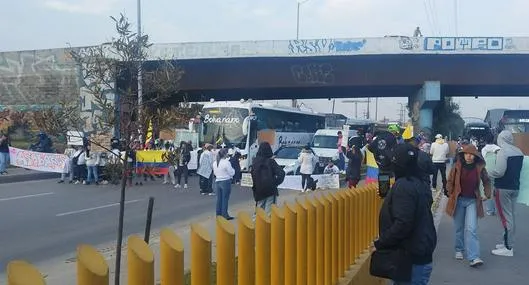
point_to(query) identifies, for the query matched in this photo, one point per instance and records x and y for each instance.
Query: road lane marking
(96, 208)
(26, 196)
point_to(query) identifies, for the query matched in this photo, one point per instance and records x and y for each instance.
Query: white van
(325, 144)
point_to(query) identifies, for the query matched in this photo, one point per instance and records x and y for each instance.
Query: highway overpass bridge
(422, 69)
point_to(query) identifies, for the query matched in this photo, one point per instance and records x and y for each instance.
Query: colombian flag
(372, 168)
(150, 161)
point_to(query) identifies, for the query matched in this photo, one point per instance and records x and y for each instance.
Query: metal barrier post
(262, 248)
(22, 273)
(303, 250)
(320, 241)
(92, 269)
(171, 258)
(225, 252)
(200, 255)
(140, 262)
(290, 244)
(246, 250)
(278, 246)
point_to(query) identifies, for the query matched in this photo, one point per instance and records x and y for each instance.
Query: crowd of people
(407, 236)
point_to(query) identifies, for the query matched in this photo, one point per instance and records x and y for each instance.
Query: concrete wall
(35, 78)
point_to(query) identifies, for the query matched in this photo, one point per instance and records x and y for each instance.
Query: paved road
(40, 220)
(496, 270)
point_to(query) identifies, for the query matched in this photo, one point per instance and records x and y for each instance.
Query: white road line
(95, 208)
(25, 196)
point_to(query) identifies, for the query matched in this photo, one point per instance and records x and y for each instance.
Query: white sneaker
(177, 186)
(500, 246)
(503, 252)
(459, 255)
(185, 186)
(476, 262)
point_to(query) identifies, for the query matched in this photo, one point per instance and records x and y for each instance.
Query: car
(287, 158)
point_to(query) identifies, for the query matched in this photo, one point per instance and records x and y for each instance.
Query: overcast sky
(38, 24)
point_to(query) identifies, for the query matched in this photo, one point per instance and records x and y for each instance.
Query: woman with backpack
(266, 176)
(223, 175)
(306, 160)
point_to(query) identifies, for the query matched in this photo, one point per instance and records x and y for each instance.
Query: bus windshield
(224, 126)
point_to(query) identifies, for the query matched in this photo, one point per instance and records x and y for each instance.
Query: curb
(28, 177)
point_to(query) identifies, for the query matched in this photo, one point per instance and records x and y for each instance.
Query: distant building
(494, 116)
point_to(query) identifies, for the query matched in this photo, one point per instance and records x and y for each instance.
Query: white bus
(238, 124)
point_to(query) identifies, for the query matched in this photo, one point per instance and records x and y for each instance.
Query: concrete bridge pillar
(422, 105)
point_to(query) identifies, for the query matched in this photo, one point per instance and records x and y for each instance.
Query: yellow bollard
(302, 240)
(374, 212)
(320, 242)
(327, 240)
(262, 248)
(171, 258)
(246, 250)
(356, 224)
(335, 233)
(366, 231)
(225, 252)
(341, 228)
(311, 247)
(140, 262)
(290, 244)
(200, 255)
(347, 229)
(278, 246)
(22, 273)
(92, 269)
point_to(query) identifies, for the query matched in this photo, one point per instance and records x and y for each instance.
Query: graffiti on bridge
(408, 43)
(313, 74)
(324, 46)
(467, 43)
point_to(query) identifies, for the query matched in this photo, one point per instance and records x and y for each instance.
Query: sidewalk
(16, 174)
(496, 270)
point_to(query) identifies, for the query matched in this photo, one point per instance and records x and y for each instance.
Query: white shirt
(439, 151)
(306, 160)
(223, 171)
(331, 170)
(489, 148)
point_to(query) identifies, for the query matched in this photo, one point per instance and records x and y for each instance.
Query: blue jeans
(223, 196)
(420, 275)
(266, 204)
(92, 174)
(4, 158)
(466, 227)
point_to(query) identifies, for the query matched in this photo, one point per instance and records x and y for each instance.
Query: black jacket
(264, 187)
(425, 164)
(406, 220)
(355, 163)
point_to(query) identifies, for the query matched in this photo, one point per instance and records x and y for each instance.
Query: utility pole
(295, 101)
(401, 112)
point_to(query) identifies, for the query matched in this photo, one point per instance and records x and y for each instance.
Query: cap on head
(438, 136)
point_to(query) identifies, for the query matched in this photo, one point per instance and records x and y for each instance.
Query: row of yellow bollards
(313, 241)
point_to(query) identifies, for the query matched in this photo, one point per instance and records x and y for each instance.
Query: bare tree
(110, 78)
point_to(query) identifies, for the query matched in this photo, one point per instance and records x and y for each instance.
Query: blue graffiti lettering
(346, 46)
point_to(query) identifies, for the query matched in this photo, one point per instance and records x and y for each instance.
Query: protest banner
(151, 162)
(47, 162)
(293, 182)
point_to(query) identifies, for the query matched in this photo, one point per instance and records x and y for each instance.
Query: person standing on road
(424, 161)
(184, 156)
(354, 166)
(506, 174)
(223, 175)
(205, 170)
(68, 165)
(267, 175)
(306, 168)
(465, 203)
(489, 152)
(407, 239)
(4, 153)
(439, 152)
(92, 165)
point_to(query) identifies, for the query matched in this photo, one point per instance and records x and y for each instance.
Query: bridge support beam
(422, 105)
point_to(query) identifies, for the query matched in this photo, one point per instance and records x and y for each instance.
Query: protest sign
(48, 162)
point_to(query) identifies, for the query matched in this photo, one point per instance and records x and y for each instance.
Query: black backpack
(264, 177)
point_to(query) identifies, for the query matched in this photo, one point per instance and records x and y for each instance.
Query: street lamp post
(295, 101)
